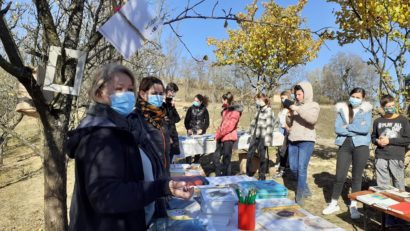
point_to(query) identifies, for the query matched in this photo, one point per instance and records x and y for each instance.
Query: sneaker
(331, 208)
(354, 213)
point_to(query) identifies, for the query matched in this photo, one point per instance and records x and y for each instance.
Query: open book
(377, 200)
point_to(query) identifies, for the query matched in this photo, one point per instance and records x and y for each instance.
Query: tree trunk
(55, 173)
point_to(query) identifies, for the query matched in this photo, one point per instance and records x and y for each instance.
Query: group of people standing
(124, 146)
(355, 131)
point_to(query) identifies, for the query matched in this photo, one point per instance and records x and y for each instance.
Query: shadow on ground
(324, 152)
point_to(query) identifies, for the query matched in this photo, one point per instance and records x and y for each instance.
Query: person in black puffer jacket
(197, 120)
(171, 118)
(117, 183)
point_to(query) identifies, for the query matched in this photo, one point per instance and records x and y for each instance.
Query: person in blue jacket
(352, 126)
(117, 182)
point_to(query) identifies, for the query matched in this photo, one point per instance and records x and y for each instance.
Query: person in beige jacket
(303, 115)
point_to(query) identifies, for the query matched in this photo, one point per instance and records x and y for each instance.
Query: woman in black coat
(116, 184)
(197, 120)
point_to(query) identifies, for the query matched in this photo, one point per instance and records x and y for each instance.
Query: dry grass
(21, 204)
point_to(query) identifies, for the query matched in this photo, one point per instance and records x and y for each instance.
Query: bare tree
(9, 118)
(346, 71)
(60, 24)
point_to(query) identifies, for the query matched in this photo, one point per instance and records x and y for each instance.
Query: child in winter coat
(226, 135)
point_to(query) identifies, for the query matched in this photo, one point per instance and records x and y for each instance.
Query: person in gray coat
(261, 130)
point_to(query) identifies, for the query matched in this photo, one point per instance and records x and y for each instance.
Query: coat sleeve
(269, 127)
(229, 124)
(375, 134)
(175, 116)
(404, 140)
(362, 125)
(188, 119)
(310, 115)
(340, 126)
(106, 189)
(206, 120)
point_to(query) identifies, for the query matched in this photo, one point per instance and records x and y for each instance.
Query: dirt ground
(21, 178)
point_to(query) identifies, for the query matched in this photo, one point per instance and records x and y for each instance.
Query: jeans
(299, 156)
(257, 144)
(224, 149)
(348, 154)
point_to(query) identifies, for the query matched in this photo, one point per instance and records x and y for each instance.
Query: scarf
(152, 114)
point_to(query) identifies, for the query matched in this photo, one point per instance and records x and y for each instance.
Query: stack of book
(383, 188)
(218, 204)
(265, 189)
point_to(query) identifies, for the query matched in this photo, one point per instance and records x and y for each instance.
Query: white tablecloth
(206, 144)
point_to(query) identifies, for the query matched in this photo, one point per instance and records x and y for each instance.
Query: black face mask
(168, 99)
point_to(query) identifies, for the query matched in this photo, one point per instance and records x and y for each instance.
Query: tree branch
(25, 142)
(46, 19)
(9, 44)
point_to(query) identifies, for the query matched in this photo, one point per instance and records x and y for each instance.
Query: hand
(293, 108)
(199, 131)
(190, 132)
(379, 143)
(180, 189)
(384, 140)
(171, 141)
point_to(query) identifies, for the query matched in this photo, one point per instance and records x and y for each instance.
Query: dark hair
(385, 99)
(228, 96)
(355, 90)
(203, 99)
(297, 88)
(262, 95)
(358, 90)
(105, 74)
(172, 87)
(147, 82)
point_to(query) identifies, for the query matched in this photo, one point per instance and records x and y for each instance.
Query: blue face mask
(196, 103)
(390, 110)
(355, 102)
(123, 102)
(156, 100)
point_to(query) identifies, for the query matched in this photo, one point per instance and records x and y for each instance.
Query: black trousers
(258, 144)
(348, 154)
(283, 154)
(223, 149)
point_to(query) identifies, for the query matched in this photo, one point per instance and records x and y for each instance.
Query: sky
(318, 14)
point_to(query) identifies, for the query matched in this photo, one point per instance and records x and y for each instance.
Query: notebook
(400, 208)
